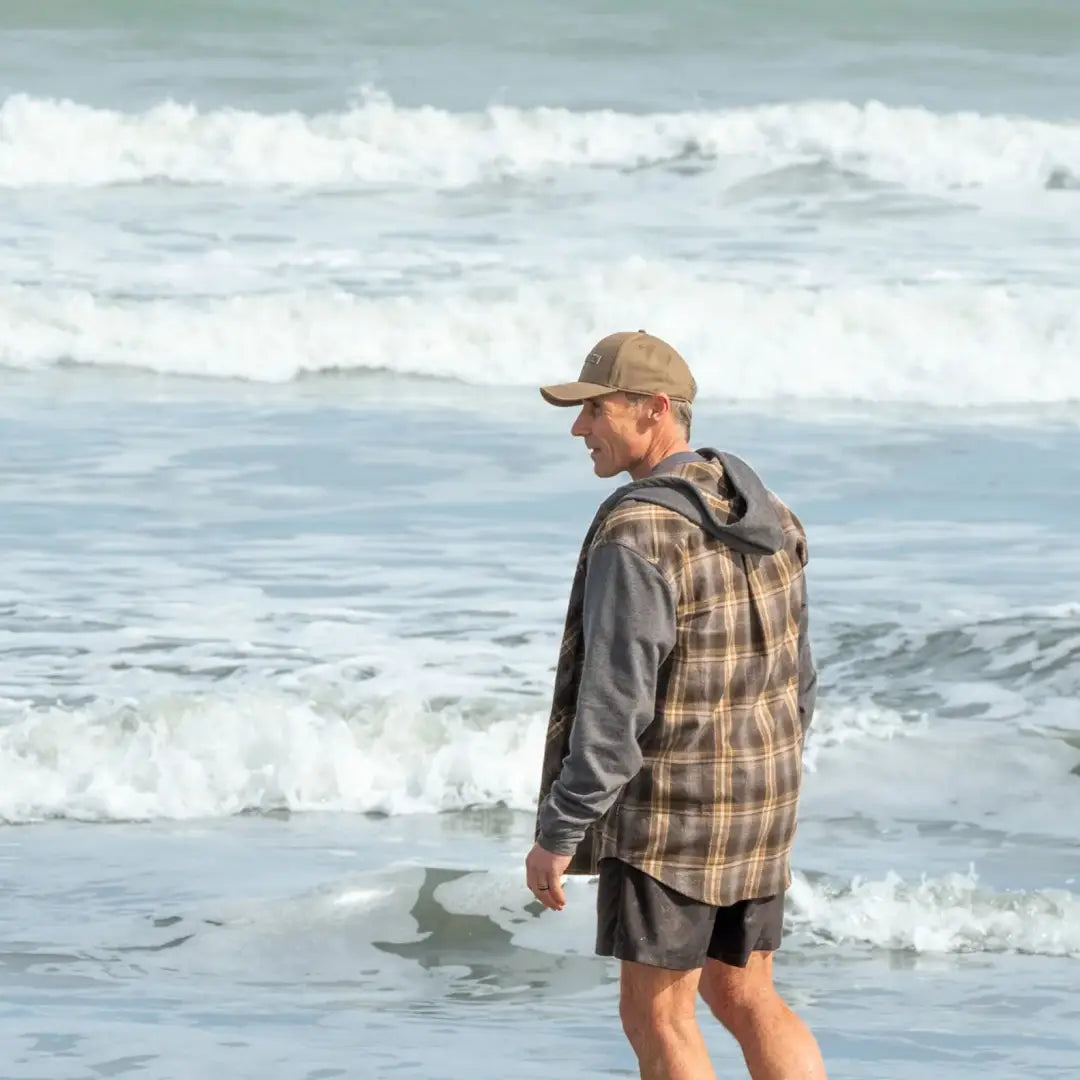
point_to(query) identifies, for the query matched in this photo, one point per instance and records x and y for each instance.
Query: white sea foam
(198, 756)
(202, 756)
(950, 914)
(847, 723)
(50, 141)
(953, 344)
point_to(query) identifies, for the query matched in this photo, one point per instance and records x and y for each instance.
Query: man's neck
(657, 453)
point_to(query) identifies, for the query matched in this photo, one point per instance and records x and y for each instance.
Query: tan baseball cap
(633, 361)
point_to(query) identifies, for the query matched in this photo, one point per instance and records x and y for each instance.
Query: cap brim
(573, 393)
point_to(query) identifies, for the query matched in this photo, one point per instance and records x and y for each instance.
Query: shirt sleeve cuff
(561, 842)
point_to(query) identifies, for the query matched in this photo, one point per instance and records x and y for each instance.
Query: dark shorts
(641, 920)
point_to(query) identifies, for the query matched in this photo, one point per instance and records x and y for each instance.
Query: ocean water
(287, 531)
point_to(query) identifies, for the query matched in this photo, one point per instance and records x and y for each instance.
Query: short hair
(684, 415)
(682, 411)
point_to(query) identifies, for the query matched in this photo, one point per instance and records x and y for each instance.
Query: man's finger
(549, 892)
(545, 895)
(542, 891)
(558, 897)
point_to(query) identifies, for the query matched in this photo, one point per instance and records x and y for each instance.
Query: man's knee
(655, 1004)
(639, 1024)
(736, 996)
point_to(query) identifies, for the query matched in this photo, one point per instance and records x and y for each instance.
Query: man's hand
(543, 875)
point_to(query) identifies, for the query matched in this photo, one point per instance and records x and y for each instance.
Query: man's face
(613, 431)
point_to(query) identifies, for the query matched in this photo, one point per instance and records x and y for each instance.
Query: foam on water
(215, 755)
(49, 141)
(947, 343)
(841, 724)
(938, 915)
(949, 914)
(203, 756)
(435, 913)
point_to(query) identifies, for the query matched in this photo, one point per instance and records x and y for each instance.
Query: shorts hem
(650, 958)
(739, 959)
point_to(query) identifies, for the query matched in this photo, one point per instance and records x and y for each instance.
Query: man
(682, 696)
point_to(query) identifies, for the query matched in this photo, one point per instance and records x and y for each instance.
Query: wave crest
(50, 141)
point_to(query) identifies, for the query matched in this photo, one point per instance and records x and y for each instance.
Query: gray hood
(740, 511)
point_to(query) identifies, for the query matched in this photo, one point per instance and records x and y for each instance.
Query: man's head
(634, 393)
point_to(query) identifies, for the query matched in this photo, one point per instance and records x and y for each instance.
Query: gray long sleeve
(628, 623)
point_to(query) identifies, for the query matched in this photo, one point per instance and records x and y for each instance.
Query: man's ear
(658, 406)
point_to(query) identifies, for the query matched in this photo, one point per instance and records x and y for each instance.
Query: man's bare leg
(776, 1044)
(657, 1011)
